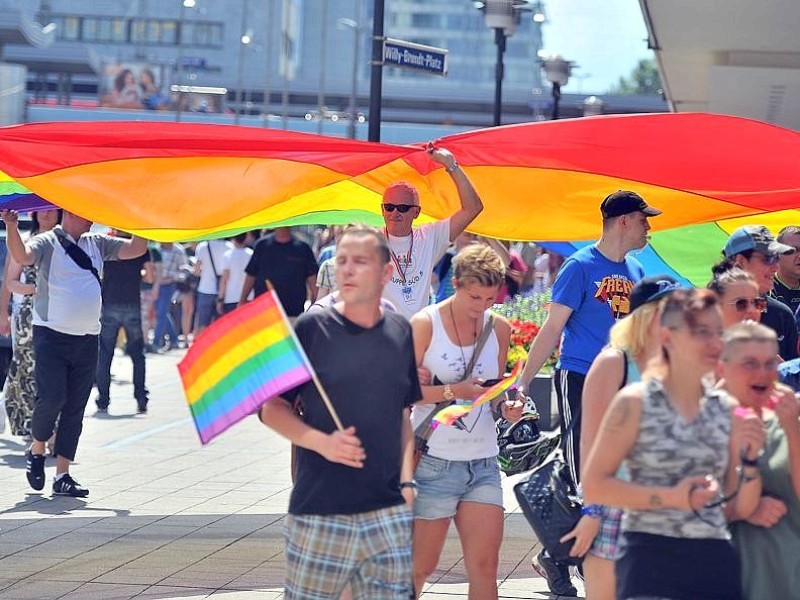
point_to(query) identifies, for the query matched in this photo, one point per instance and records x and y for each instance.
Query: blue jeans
(65, 370)
(164, 323)
(128, 318)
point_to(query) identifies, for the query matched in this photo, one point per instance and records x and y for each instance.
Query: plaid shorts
(371, 551)
(607, 543)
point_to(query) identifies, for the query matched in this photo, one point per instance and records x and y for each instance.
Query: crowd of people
(675, 428)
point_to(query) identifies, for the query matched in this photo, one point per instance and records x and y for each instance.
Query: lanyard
(395, 260)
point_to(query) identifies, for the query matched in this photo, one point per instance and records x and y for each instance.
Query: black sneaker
(34, 470)
(102, 404)
(556, 575)
(141, 407)
(67, 486)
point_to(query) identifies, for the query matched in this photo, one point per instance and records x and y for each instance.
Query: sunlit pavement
(167, 518)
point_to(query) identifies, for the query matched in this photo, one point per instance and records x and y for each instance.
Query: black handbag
(550, 502)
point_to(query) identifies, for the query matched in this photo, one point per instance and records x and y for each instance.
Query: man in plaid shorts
(350, 517)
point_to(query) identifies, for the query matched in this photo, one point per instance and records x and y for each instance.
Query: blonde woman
(634, 345)
(458, 478)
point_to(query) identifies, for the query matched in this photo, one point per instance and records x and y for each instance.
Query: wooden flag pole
(323, 394)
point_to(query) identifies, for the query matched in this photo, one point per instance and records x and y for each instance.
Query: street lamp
(557, 71)
(352, 107)
(593, 106)
(503, 16)
(245, 40)
(179, 75)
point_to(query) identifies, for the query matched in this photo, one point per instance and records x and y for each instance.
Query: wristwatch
(452, 167)
(408, 484)
(448, 393)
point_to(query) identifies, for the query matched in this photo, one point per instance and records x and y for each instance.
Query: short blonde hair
(632, 333)
(478, 263)
(747, 331)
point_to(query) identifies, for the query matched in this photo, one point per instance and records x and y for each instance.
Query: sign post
(408, 55)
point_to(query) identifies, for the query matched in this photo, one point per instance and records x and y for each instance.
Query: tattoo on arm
(655, 501)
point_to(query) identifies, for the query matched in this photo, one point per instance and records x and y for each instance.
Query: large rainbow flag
(538, 181)
(239, 362)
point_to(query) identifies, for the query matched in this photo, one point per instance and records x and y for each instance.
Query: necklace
(400, 270)
(458, 339)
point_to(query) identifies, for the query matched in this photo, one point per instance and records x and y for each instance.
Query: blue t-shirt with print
(598, 292)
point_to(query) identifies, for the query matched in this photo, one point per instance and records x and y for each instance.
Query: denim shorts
(442, 484)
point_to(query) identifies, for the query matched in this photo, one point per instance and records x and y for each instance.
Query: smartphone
(490, 382)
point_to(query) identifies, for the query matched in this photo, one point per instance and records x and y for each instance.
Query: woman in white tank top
(458, 478)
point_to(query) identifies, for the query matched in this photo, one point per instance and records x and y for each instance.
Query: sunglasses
(769, 259)
(740, 479)
(401, 208)
(742, 304)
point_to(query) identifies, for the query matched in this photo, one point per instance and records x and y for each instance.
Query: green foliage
(644, 79)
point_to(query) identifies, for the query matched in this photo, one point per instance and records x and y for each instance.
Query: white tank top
(477, 436)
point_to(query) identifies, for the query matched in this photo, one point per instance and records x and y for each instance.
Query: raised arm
(17, 248)
(471, 205)
(133, 248)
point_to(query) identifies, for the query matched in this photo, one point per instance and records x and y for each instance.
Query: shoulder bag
(550, 502)
(78, 256)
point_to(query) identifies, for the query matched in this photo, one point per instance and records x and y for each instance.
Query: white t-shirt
(410, 285)
(208, 281)
(235, 261)
(67, 298)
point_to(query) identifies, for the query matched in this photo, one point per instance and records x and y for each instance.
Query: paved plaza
(168, 518)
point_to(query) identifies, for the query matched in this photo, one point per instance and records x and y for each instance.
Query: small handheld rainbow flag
(239, 362)
(450, 414)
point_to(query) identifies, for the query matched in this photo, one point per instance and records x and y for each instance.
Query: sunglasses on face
(742, 304)
(769, 259)
(401, 208)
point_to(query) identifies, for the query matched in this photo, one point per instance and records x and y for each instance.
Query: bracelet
(408, 484)
(452, 167)
(593, 511)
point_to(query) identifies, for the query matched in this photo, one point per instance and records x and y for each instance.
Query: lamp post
(355, 25)
(244, 42)
(502, 16)
(557, 71)
(593, 106)
(179, 67)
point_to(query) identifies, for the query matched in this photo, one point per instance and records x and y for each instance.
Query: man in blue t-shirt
(591, 291)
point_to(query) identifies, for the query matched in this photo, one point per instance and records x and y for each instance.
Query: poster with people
(133, 86)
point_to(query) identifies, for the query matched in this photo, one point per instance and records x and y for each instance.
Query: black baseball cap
(652, 289)
(624, 202)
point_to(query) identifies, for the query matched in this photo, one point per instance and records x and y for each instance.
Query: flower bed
(526, 315)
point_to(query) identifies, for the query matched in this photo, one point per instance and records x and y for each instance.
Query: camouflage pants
(20, 386)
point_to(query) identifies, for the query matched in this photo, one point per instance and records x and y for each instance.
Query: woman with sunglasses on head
(682, 446)
(458, 478)
(754, 249)
(767, 540)
(739, 297)
(633, 345)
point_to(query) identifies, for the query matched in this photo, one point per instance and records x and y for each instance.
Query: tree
(644, 79)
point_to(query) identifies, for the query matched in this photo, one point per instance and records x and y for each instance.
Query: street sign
(429, 59)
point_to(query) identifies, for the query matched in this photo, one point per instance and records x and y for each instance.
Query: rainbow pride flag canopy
(539, 181)
(238, 363)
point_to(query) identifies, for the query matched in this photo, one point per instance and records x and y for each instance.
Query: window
(70, 28)
(426, 21)
(197, 33)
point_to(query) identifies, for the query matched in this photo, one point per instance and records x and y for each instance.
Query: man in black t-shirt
(350, 515)
(122, 310)
(289, 264)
